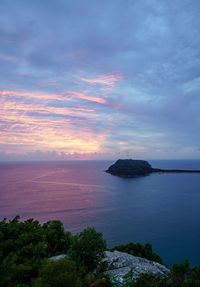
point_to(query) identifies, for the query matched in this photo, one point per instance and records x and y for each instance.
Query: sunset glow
(45, 126)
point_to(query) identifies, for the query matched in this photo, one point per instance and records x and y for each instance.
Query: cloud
(107, 82)
(121, 76)
(30, 120)
(83, 96)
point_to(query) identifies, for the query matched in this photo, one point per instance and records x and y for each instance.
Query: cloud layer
(99, 79)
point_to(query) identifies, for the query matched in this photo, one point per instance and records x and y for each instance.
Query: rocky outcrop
(132, 168)
(120, 265)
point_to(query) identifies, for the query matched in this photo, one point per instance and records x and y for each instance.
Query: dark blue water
(162, 209)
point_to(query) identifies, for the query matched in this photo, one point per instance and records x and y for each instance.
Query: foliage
(61, 273)
(101, 282)
(24, 245)
(180, 273)
(88, 247)
(57, 239)
(140, 250)
(147, 280)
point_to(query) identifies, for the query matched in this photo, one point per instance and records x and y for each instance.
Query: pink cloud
(107, 82)
(66, 96)
(20, 107)
(30, 95)
(23, 129)
(83, 96)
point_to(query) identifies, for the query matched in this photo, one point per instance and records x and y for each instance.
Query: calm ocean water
(162, 209)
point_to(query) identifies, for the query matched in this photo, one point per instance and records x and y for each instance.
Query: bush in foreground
(25, 247)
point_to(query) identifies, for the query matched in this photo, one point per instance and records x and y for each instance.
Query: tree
(58, 240)
(88, 247)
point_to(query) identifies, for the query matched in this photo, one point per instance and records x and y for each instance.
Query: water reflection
(161, 209)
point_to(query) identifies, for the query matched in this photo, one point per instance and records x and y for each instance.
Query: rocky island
(133, 168)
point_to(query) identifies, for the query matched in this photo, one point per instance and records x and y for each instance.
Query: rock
(58, 257)
(121, 264)
(130, 167)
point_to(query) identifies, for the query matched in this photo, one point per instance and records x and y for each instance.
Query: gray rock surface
(57, 257)
(121, 264)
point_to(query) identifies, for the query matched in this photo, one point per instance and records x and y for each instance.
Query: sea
(161, 209)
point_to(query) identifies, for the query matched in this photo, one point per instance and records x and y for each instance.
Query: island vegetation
(26, 250)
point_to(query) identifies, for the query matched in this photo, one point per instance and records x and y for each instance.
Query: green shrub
(149, 280)
(61, 273)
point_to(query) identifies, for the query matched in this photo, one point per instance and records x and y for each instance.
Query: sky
(99, 79)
